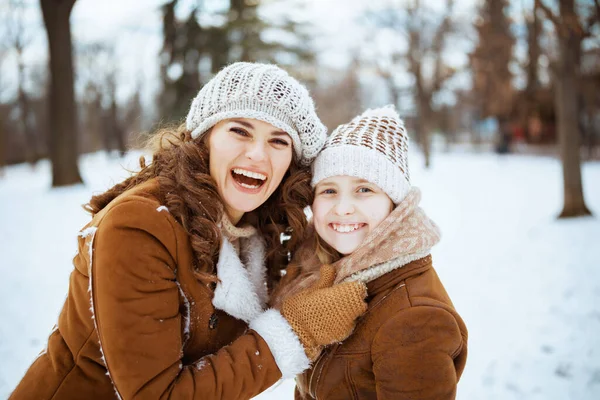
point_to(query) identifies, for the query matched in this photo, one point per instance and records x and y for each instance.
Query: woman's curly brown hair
(181, 166)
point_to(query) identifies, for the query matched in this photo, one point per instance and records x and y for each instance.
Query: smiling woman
(169, 294)
(248, 161)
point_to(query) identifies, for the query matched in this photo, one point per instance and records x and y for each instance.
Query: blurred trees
(570, 30)
(63, 123)
(492, 79)
(19, 38)
(533, 56)
(102, 122)
(340, 99)
(427, 35)
(3, 109)
(412, 54)
(421, 47)
(202, 43)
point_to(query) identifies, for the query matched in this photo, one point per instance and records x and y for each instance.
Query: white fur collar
(242, 288)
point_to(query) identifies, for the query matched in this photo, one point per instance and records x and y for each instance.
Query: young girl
(368, 227)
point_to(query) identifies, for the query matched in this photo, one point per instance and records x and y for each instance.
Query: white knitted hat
(264, 92)
(374, 147)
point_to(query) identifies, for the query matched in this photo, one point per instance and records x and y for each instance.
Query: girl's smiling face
(248, 160)
(346, 209)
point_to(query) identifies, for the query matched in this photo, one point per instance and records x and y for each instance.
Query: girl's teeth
(345, 228)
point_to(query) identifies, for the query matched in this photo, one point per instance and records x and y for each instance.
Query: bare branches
(570, 23)
(15, 28)
(592, 20)
(442, 72)
(549, 14)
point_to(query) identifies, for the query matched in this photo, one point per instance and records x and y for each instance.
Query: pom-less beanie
(264, 92)
(373, 146)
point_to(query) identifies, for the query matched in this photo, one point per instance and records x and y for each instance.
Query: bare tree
(113, 129)
(533, 53)
(133, 116)
(571, 31)
(19, 40)
(424, 58)
(419, 50)
(340, 101)
(3, 113)
(63, 122)
(492, 79)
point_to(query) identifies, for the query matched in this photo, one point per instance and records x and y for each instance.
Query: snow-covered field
(527, 285)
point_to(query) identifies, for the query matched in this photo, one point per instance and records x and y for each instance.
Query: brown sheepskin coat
(137, 324)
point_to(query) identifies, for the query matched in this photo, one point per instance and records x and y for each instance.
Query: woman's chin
(243, 206)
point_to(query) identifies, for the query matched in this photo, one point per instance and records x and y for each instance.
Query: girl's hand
(325, 313)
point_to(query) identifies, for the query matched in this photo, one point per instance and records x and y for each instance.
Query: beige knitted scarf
(407, 234)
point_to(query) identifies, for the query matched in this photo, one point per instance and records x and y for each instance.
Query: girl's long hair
(180, 165)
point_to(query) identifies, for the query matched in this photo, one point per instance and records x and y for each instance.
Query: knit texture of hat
(374, 147)
(263, 92)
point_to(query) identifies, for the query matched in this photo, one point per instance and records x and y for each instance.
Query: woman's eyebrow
(245, 123)
(250, 126)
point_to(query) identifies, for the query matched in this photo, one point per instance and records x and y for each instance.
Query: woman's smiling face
(346, 209)
(248, 159)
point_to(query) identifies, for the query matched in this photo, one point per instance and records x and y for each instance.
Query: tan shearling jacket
(137, 324)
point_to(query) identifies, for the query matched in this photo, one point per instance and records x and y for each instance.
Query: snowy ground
(527, 285)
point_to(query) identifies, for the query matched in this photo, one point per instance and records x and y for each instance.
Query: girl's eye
(365, 190)
(240, 131)
(328, 191)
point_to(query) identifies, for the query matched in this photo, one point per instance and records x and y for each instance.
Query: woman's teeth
(250, 174)
(345, 228)
(248, 179)
(249, 186)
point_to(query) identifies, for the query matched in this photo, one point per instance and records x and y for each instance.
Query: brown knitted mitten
(325, 314)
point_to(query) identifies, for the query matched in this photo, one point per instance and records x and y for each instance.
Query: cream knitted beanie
(374, 147)
(264, 92)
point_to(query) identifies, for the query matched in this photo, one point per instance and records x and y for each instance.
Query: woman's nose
(256, 151)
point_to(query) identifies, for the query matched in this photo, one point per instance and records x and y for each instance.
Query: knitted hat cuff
(253, 110)
(260, 91)
(364, 163)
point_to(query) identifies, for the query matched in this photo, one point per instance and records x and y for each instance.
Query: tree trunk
(31, 141)
(2, 150)
(568, 112)
(424, 114)
(115, 127)
(63, 125)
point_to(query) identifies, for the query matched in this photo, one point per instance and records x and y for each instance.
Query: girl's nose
(344, 207)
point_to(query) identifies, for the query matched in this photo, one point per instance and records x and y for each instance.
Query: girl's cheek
(319, 211)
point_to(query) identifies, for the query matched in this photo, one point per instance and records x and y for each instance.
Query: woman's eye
(365, 190)
(280, 142)
(240, 131)
(328, 191)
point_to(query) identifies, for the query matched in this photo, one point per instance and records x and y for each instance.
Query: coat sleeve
(414, 355)
(135, 301)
